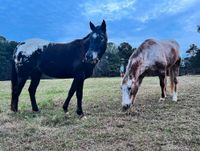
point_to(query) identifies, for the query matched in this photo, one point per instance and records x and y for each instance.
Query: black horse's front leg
(79, 95)
(77, 85)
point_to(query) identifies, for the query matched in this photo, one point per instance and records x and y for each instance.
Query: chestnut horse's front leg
(134, 92)
(163, 82)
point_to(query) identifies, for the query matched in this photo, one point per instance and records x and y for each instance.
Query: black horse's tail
(13, 79)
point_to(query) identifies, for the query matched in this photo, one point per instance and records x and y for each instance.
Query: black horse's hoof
(36, 111)
(81, 116)
(65, 109)
(14, 109)
(80, 113)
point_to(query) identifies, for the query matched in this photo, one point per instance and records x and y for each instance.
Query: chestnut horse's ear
(92, 27)
(103, 26)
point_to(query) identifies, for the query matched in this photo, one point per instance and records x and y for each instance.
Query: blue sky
(132, 21)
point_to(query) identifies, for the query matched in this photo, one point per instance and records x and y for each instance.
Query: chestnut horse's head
(130, 83)
(129, 88)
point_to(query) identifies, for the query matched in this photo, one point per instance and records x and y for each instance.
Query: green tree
(110, 62)
(125, 51)
(6, 51)
(198, 28)
(112, 48)
(192, 62)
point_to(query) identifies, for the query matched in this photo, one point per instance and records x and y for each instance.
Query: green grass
(158, 126)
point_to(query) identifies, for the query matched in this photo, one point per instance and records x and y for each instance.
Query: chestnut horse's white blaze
(125, 93)
(152, 56)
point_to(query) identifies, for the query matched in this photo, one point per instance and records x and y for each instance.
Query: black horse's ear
(92, 27)
(103, 26)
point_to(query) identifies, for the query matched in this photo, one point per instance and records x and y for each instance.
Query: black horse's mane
(87, 36)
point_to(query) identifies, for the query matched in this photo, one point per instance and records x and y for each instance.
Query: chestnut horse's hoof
(161, 99)
(125, 107)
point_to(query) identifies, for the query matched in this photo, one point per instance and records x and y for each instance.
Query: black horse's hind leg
(70, 94)
(35, 80)
(16, 92)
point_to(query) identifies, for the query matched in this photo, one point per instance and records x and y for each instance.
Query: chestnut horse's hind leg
(16, 90)
(163, 83)
(35, 80)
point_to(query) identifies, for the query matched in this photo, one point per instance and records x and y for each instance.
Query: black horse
(76, 59)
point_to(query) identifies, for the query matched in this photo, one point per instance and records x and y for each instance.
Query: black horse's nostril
(88, 56)
(126, 107)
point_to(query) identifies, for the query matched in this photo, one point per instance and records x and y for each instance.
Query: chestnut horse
(156, 57)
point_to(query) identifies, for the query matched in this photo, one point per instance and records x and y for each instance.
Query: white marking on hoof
(174, 97)
(161, 99)
(67, 113)
(84, 117)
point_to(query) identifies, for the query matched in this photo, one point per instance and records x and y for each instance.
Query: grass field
(158, 126)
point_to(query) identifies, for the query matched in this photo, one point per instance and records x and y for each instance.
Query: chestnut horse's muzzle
(126, 107)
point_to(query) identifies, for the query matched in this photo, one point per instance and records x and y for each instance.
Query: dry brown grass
(158, 126)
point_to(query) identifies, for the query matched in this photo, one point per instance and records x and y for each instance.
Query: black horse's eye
(129, 88)
(101, 38)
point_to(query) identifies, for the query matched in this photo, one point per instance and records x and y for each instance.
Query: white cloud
(119, 9)
(176, 6)
(190, 22)
(167, 7)
(110, 9)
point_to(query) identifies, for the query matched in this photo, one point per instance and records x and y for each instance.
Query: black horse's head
(98, 43)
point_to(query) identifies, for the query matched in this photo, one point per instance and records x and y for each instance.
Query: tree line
(191, 63)
(114, 57)
(108, 66)
(6, 52)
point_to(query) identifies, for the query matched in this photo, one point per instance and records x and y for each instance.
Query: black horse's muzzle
(90, 58)
(93, 61)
